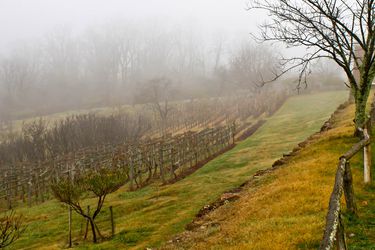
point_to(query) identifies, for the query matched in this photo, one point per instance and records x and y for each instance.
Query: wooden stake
(348, 189)
(340, 236)
(112, 221)
(70, 228)
(366, 160)
(29, 193)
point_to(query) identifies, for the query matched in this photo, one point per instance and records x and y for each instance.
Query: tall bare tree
(328, 29)
(157, 92)
(250, 65)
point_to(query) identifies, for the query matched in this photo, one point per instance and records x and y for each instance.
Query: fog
(26, 19)
(68, 55)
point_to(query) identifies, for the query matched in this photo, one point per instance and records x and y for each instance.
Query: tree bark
(351, 98)
(93, 230)
(360, 114)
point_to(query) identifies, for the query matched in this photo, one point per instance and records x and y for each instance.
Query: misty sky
(30, 19)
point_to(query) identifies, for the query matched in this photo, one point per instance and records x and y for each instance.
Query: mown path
(152, 215)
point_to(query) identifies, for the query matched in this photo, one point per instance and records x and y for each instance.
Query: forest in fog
(115, 64)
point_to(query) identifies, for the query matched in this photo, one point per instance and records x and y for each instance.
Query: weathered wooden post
(7, 188)
(112, 221)
(172, 152)
(334, 210)
(367, 154)
(233, 131)
(161, 151)
(70, 227)
(131, 172)
(348, 189)
(340, 235)
(29, 184)
(9, 196)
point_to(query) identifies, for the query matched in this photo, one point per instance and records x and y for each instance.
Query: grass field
(152, 215)
(286, 209)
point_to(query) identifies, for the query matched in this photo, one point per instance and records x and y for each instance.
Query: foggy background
(28, 19)
(66, 55)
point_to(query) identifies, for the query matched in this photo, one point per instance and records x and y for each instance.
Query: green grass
(286, 209)
(147, 217)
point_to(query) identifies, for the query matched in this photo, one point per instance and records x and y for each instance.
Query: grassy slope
(152, 215)
(286, 209)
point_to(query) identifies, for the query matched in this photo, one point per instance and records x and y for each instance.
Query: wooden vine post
(70, 227)
(131, 171)
(161, 163)
(112, 221)
(367, 154)
(348, 189)
(164, 158)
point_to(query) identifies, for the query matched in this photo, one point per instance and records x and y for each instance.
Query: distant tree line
(105, 66)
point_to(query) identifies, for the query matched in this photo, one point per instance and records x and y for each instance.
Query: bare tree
(328, 29)
(158, 92)
(100, 182)
(250, 65)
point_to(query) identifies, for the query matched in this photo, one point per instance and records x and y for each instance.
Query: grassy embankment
(149, 216)
(286, 209)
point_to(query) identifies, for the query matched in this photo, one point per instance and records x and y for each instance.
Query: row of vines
(125, 142)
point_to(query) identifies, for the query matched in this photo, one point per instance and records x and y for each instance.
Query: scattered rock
(226, 197)
(279, 162)
(326, 126)
(191, 226)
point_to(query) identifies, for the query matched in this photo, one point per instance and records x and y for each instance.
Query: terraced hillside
(286, 208)
(152, 215)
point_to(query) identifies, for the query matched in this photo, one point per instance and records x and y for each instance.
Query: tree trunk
(360, 114)
(351, 98)
(93, 230)
(361, 94)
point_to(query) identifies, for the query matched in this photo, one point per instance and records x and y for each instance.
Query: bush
(11, 228)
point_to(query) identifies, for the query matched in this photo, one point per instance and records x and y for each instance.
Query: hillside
(286, 208)
(152, 215)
